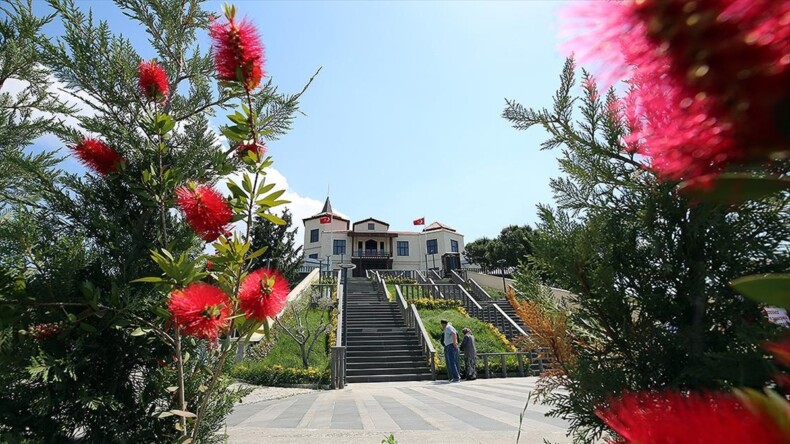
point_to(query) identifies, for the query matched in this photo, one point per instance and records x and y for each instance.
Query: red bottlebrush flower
(673, 418)
(41, 332)
(152, 81)
(201, 310)
(238, 51)
(206, 211)
(96, 155)
(780, 350)
(711, 76)
(263, 294)
(258, 148)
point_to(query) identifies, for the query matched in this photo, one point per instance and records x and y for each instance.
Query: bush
(399, 280)
(435, 304)
(277, 375)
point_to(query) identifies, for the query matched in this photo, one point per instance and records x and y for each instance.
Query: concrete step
(414, 359)
(383, 355)
(351, 348)
(381, 371)
(423, 376)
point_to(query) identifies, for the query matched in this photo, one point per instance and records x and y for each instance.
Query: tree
(281, 250)
(297, 324)
(511, 245)
(476, 252)
(86, 353)
(648, 268)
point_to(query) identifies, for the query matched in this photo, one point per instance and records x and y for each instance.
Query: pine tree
(648, 268)
(281, 250)
(85, 353)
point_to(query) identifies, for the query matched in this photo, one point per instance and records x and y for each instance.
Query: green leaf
(87, 327)
(257, 253)
(771, 289)
(246, 183)
(232, 135)
(138, 332)
(732, 188)
(271, 218)
(151, 279)
(237, 192)
(162, 414)
(183, 413)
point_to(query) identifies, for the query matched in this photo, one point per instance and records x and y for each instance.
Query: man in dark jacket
(470, 351)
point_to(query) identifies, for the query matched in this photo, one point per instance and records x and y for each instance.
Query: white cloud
(81, 108)
(300, 206)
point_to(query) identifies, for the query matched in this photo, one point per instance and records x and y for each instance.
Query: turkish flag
(420, 221)
(325, 220)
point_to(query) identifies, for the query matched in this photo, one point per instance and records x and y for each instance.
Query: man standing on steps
(450, 342)
(470, 352)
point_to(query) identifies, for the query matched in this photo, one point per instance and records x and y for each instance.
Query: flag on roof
(325, 219)
(420, 221)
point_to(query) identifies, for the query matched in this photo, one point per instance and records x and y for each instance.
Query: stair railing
(338, 352)
(413, 320)
(420, 277)
(381, 284)
(435, 275)
(478, 291)
(457, 278)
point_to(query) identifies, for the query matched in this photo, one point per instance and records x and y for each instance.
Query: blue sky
(404, 119)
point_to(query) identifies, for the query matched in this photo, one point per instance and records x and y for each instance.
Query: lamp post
(328, 263)
(501, 263)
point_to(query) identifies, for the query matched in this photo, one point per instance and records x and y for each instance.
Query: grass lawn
(391, 289)
(285, 351)
(485, 340)
(494, 293)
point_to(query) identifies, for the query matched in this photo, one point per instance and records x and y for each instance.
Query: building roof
(326, 211)
(371, 219)
(438, 226)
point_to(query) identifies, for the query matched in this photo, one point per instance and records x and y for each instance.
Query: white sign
(778, 316)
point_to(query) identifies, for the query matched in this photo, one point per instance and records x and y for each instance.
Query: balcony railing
(371, 253)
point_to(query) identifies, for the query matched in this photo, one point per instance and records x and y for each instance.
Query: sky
(404, 119)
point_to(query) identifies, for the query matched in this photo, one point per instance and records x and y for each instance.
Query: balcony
(371, 253)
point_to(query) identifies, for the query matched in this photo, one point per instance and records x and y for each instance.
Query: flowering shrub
(707, 105)
(435, 304)
(277, 375)
(133, 319)
(96, 155)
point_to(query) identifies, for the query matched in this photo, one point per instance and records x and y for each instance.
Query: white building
(371, 245)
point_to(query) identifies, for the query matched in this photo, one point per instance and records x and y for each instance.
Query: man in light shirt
(450, 343)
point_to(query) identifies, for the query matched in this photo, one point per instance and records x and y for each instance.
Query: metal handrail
(412, 316)
(513, 325)
(426, 340)
(479, 291)
(421, 277)
(338, 351)
(455, 277)
(435, 274)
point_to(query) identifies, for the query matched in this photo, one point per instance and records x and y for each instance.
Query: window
(454, 246)
(314, 235)
(313, 256)
(339, 247)
(403, 248)
(371, 226)
(433, 247)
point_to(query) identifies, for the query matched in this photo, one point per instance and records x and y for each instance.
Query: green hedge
(277, 375)
(435, 304)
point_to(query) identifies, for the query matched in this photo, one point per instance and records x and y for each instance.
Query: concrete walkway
(482, 411)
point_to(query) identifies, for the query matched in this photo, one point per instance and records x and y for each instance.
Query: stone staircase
(379, 345)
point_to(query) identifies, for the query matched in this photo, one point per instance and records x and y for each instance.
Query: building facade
(371, 245)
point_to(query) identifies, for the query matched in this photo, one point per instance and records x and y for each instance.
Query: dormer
(371, 225)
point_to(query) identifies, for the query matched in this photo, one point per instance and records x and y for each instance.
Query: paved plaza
(482, 411)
